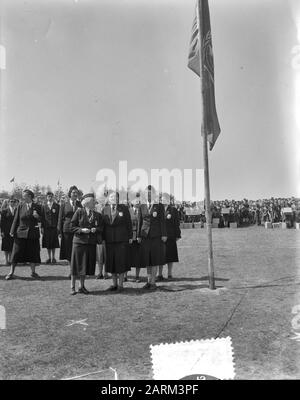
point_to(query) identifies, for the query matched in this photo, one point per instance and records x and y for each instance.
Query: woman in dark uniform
(117, 234)
(66, 212)
(135, 247)
(173, 234)
(50, 212)
(152, 231)
(7, 217)
(86, 225)
(26, 233)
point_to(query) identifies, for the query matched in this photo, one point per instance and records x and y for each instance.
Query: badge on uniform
(120, 214)
(53, 211)
(169, 216)
(154, 214)
(96, 223)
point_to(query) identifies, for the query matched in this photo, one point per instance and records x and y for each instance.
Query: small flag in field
(12, 180)
(205, 63)
(58, 183)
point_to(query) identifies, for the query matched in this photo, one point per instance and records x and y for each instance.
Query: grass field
(258, 269)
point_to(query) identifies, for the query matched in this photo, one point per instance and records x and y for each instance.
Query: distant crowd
(245, 212)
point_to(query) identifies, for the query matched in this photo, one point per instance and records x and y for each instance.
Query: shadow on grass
(128, 291)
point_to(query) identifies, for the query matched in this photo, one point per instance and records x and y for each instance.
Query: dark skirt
(7, 243)
(171, 251)
(83, 261)
(153, 252)
(117, 258)
(50, 239)
(66, 246)
(135, 255)
(26, 250)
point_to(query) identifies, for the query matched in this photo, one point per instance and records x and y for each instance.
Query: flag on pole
(58, 183)
(202, 22)
(12, 180)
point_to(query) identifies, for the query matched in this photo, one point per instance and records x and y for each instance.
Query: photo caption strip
(200, 358)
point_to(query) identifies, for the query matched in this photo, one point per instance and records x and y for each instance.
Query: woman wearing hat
(7, 217)
(173, 234)
(117, 234)
(152, 231)
(135, 247)
(50, 212)
(66, 212)
(26, 233)
(87, 226)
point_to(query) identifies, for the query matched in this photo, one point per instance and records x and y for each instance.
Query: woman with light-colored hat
(87, 226)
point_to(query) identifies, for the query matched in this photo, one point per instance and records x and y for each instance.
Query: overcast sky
(88, 83)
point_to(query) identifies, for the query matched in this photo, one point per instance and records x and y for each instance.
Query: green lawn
(258, 268)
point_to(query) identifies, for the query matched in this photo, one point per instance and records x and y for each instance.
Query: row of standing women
(141, 236)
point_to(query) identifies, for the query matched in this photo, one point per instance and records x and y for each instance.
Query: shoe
(120, 289)
(9, 277)
(54, 261)
(152, 286)
(159, 278)
(48, 261)
(99, 276)
(106, 276)
(35, 275)
(170, 277)
(112, 288)
(83, 290)
(137, 280)
(73, 291)
(125, 279)
(147, 286)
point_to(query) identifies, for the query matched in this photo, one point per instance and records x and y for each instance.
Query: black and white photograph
(149, 192)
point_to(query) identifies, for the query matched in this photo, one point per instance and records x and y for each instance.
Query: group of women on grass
(139, 234)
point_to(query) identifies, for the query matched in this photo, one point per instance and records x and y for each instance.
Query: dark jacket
(81, 220)
(152, 222)
(6, 221)
(24, 220)
(65, 216)
(119, 229)
(172, 222)
(49, 216)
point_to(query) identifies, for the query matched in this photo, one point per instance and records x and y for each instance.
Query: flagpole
(205, 159)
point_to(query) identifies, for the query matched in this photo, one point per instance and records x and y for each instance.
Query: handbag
(22, 233)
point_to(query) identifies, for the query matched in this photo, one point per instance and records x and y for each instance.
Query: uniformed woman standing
(173, 234)
(86, 225)
(7, 217)
(26, 233)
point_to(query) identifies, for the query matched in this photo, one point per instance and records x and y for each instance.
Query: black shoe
(170, 277)
(112, 288)
(83, 290)
(137, 280)
(54, 261)
(73, 291)
(146, 286)
(99, 276)
(106, 277)
(48, 261)
(159, 278)
(125, 280)
(35, 275)
(152, 286)
(120, 288)
(69, 276)
(9, 277)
